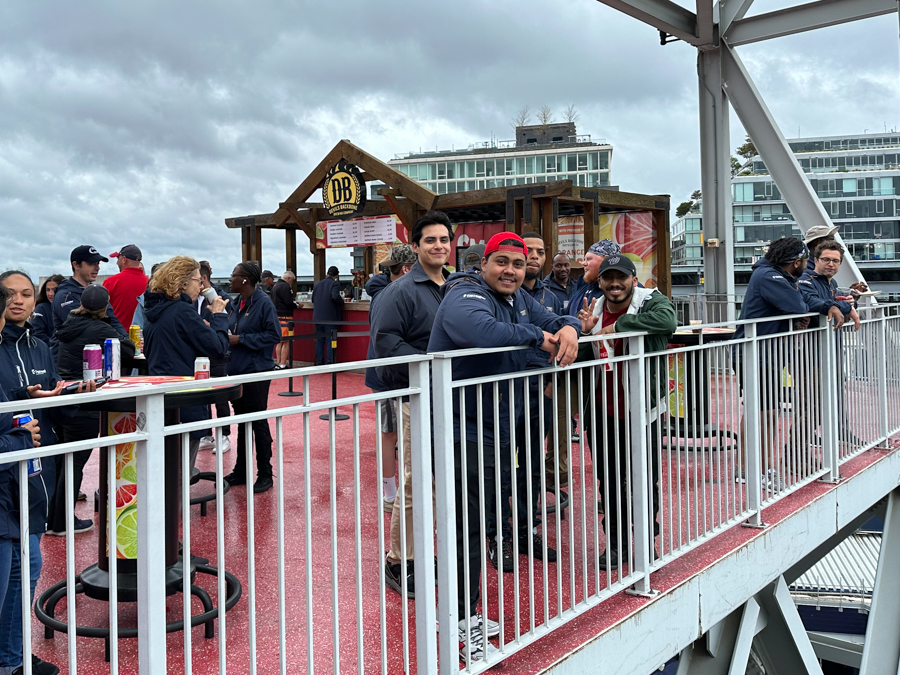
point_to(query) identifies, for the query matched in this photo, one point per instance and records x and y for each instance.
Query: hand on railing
(835, 317)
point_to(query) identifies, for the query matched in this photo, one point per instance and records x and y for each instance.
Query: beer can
(135, 335)
(201, 368)
(92, 362)
(112, 358)
(34, 464)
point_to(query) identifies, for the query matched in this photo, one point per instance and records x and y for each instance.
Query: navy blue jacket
(175, 335)
(328, 305)
(590, 291)
(258, 330)
(67, 298)
(564, 295)
(42, 322)
(544, 296)
(771, 292)
(819, 292)
(79, 330)
(373, 287)
(26, 361)
(10, 441)
(473, 316)
(402, 323)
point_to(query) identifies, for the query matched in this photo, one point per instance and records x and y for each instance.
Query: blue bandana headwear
(605, 247)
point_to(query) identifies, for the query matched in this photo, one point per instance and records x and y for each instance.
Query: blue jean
(323, 344)
(11, 604)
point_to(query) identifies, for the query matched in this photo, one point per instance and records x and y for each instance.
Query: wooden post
(548, 231)
(318, 253)
(663, 251)
(290, 245)
(518, 214)
(591, 225)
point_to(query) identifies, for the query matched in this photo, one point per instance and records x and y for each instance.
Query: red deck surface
(203, 542)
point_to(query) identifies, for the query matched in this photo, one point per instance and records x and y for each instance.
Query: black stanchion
(332, 412)
(290, 391)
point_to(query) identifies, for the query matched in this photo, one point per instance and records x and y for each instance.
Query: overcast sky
(151, 122)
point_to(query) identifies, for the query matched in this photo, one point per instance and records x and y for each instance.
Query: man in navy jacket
(328, 306)
(485, 312)
(820, 290)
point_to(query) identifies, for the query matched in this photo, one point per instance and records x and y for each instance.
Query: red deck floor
(205, 652)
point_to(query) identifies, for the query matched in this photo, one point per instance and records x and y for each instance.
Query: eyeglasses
(830, 261)
(199, 280)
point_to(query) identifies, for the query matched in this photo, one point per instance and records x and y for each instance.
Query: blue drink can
(34, 464)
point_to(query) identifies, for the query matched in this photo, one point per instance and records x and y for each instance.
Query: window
(529, 165)
(582, 161)
(593, 161)
(442, 171)
(557, 139)
(489, 167)
(520, 166)
(768, 189)
(849, 186)
(412, 170)
(479, 169)
(539, 165)
(604, 160)
(451, 169)
(572, 161)
(879, 206)
(551, 163)
(531, 140)
(470, 171)
(510, 167)
(849, 208)
(835, 208)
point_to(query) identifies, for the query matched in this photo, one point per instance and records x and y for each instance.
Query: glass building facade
(857, 179)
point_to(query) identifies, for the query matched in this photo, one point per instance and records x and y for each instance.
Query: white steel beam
(798, 194)
(715, 178)
(663, 15)
(802, 18)
(783, 645)
(730, 11)
(881, 653)
(706, 29)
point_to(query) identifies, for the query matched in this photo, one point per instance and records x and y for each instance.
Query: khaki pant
(404, 520)
(563, 413)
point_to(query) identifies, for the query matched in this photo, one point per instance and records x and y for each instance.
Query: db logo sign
(343, 192)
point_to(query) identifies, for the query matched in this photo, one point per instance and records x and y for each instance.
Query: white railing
(310, 557)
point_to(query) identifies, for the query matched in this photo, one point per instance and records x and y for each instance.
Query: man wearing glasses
(820, 290)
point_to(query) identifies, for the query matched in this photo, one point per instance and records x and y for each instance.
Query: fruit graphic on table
(126, 533)
(129, 472)
(126, 424)
(124, 454)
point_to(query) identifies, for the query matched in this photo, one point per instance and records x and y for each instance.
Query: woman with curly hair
(174, 333)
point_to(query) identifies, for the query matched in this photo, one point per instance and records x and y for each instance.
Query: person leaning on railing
(22, 438)
(625, 307)
(174, 333)
(486, 311)
(254, 332)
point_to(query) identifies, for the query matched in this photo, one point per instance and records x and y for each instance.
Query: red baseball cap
(494, 245)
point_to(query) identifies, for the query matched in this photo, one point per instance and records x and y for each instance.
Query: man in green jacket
(624, 308)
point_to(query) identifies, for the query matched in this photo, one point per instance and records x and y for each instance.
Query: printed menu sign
(360, 231)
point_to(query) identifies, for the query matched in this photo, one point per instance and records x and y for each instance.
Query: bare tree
(545, 115)
(571, 115)
(522, 118)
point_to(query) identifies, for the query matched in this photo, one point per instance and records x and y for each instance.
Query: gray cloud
(153, 122)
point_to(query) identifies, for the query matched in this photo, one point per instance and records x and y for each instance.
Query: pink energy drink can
(92, 362)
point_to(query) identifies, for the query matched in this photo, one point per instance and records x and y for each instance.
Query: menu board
(360, 231)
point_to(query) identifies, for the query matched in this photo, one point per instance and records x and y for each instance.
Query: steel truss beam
(663, 15)
(802, 18)
(881, 653)
(783, 645)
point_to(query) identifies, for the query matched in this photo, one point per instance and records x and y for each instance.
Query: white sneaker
(493, 628)
(224, 444)
(207, 443)
(772, 481)
(476, 648)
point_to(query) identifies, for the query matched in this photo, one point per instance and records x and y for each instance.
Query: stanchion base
(337, 416)
(290, 393)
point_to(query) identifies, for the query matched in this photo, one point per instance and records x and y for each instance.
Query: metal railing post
(445, 512)
(151, 467)
(423, 516)
(753, 438)
(883, 423)
(829, 383)
(640, 469)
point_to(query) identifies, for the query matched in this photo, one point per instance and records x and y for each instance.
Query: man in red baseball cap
(125, 287)
(488, 311)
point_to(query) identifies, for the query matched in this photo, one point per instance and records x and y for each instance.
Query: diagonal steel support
(783, 645)
(663, 15)
(881, 653)
(802, 18)
(802, 201)
(731, 11)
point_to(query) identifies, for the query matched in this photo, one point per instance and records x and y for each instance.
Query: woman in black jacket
(41, 319)
(255, 331)
(88, 324)
(174, 333)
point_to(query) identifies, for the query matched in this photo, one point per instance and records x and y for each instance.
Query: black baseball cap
(617, 262)
(94, 297)
(88, 254)
(129, 251)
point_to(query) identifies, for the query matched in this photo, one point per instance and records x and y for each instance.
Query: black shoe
(81, 525)
(506, 552)
(235, 478)
(393, 579)
(538, 543)
(262, 484)
(38, 667)
(81, 497)
(611, 557)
